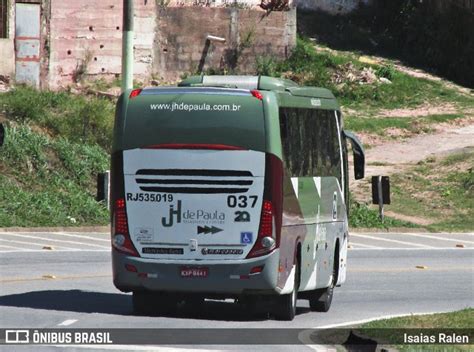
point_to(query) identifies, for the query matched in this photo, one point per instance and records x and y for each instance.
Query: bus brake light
(257, 94)
(135, 93)
(121, 237)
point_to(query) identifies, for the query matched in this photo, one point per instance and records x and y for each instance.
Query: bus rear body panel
(193, 204)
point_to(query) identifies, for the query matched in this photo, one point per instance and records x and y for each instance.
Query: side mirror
(359, 154)
(2, 134)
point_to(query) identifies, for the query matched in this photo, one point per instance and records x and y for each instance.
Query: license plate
(190, 271)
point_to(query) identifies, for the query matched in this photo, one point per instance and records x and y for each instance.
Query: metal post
(107, 189)
(379, 189)
(127, 45)
(103, 188)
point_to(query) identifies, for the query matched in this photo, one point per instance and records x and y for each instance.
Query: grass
(393, 329)
(360, 215)
(49, 181)
(439, 190)
(412, 125)
(316, 68)
(77, 118)
(463, 319)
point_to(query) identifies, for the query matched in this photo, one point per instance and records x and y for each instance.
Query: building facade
(56, 43)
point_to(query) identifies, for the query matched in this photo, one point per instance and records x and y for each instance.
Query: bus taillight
(121, 237)
(266, 220)
(266, 234)
(271, 217)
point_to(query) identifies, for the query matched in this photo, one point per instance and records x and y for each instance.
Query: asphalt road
(70, 285)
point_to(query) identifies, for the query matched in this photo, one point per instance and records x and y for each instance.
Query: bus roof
(290, 94)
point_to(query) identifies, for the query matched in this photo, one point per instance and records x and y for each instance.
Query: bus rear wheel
(286, 304)
(320, 300)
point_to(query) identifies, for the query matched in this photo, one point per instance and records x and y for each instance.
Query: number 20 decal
(241, 201)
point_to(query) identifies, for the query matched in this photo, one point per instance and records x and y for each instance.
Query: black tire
(320, 300)
(286, 304)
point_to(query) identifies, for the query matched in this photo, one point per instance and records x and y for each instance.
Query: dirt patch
(413, 219)
(371, 140)
(387, 158)
(420, 111)
(420, 147)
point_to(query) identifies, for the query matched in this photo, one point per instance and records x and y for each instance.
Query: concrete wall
(86, 39)
(181, 44)
(82, 39)
(334, 7)
(7, 45)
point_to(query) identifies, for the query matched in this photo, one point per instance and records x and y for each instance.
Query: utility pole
(127, 45)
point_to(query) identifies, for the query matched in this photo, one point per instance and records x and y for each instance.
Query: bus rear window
(195, 119)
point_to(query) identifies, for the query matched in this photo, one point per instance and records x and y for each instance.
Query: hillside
(52, 153)
(57, 142)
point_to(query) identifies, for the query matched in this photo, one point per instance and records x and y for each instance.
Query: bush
(362, 216)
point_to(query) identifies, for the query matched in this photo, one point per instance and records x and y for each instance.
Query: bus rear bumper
(225, 277)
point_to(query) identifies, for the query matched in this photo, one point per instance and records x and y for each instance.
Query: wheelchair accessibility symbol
(246, 237)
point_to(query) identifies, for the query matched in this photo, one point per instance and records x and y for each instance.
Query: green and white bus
(230, 187)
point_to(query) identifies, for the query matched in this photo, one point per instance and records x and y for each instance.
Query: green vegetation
(49, 182)
(411, 125)
(336, 72)
(463, 319)
(363, 216)
(56, 144)
(438, 190)
(412, 31)
(76, 118)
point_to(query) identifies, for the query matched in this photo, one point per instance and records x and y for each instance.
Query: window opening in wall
(3, 18)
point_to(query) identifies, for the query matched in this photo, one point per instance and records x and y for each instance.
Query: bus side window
(310, 142)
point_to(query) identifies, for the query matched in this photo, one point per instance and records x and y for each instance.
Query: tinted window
(310, 142)
(195, 119)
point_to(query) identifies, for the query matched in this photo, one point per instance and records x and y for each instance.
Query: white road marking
(363, 245)
(80, 236)
(11, 247)
(394, 241)
(67, 322)
(368, 320)
(29, 244)
(56, 250)
(436, 238)
(54, 240)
